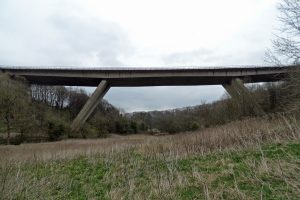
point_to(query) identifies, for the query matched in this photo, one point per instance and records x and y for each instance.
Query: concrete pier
(237, 90)
(90, 105)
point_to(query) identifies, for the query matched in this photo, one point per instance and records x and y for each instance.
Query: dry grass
(68, 149)
(235, 135)
(249, 159)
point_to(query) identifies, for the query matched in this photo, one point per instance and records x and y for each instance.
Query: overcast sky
(136, 33)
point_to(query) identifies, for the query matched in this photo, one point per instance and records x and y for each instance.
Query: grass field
(249, 159)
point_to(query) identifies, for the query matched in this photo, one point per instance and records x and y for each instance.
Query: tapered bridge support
(90, 105)
(237, 90)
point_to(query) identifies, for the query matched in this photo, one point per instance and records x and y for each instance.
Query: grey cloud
(58, 32)
(103, 41)
(190, 57)
(160, 98)
(206, 57)
(51, 36)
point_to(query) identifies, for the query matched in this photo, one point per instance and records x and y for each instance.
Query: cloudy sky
(134, 33)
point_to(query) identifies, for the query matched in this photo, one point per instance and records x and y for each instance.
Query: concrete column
(90, 105)
(237, 90)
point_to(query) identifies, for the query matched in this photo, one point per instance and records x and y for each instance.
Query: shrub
(291, 102)
(18, 139)
(55, 130)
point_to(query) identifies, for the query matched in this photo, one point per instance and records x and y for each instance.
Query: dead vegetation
(235, 135)
(248, 159)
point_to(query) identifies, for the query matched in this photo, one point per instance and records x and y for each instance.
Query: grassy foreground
(249, 159)
(266, 172)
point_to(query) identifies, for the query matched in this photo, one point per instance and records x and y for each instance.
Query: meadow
(255, 158)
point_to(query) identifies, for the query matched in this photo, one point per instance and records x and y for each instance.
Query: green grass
(269, 172)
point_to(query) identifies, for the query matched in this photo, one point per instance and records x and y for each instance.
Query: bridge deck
(122, 77)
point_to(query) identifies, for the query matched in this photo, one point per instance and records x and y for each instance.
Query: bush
(55, 130)
(291, 101)
(88, 131)
(193, 126)
(18, 139)
(2, 141)
(125, 126)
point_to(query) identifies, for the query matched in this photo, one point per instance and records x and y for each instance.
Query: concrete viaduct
(231, 78)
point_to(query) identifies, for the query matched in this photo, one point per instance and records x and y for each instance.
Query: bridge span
(128, 77)
(231, 78)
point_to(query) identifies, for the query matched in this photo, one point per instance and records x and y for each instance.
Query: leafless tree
(61, 96)
(55, 96)
(286, 45)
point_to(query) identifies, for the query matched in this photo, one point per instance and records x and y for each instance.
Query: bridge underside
(149, 81)
(134, 77)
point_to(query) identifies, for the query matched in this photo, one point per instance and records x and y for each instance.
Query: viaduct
(231, 78)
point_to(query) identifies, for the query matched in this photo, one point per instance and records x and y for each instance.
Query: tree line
(271, 97)
(42, 113)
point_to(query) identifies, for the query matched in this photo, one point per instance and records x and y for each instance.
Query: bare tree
(286, 45)
(61, 96)
(55, 96)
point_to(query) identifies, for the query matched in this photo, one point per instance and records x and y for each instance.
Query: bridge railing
(140, 68)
